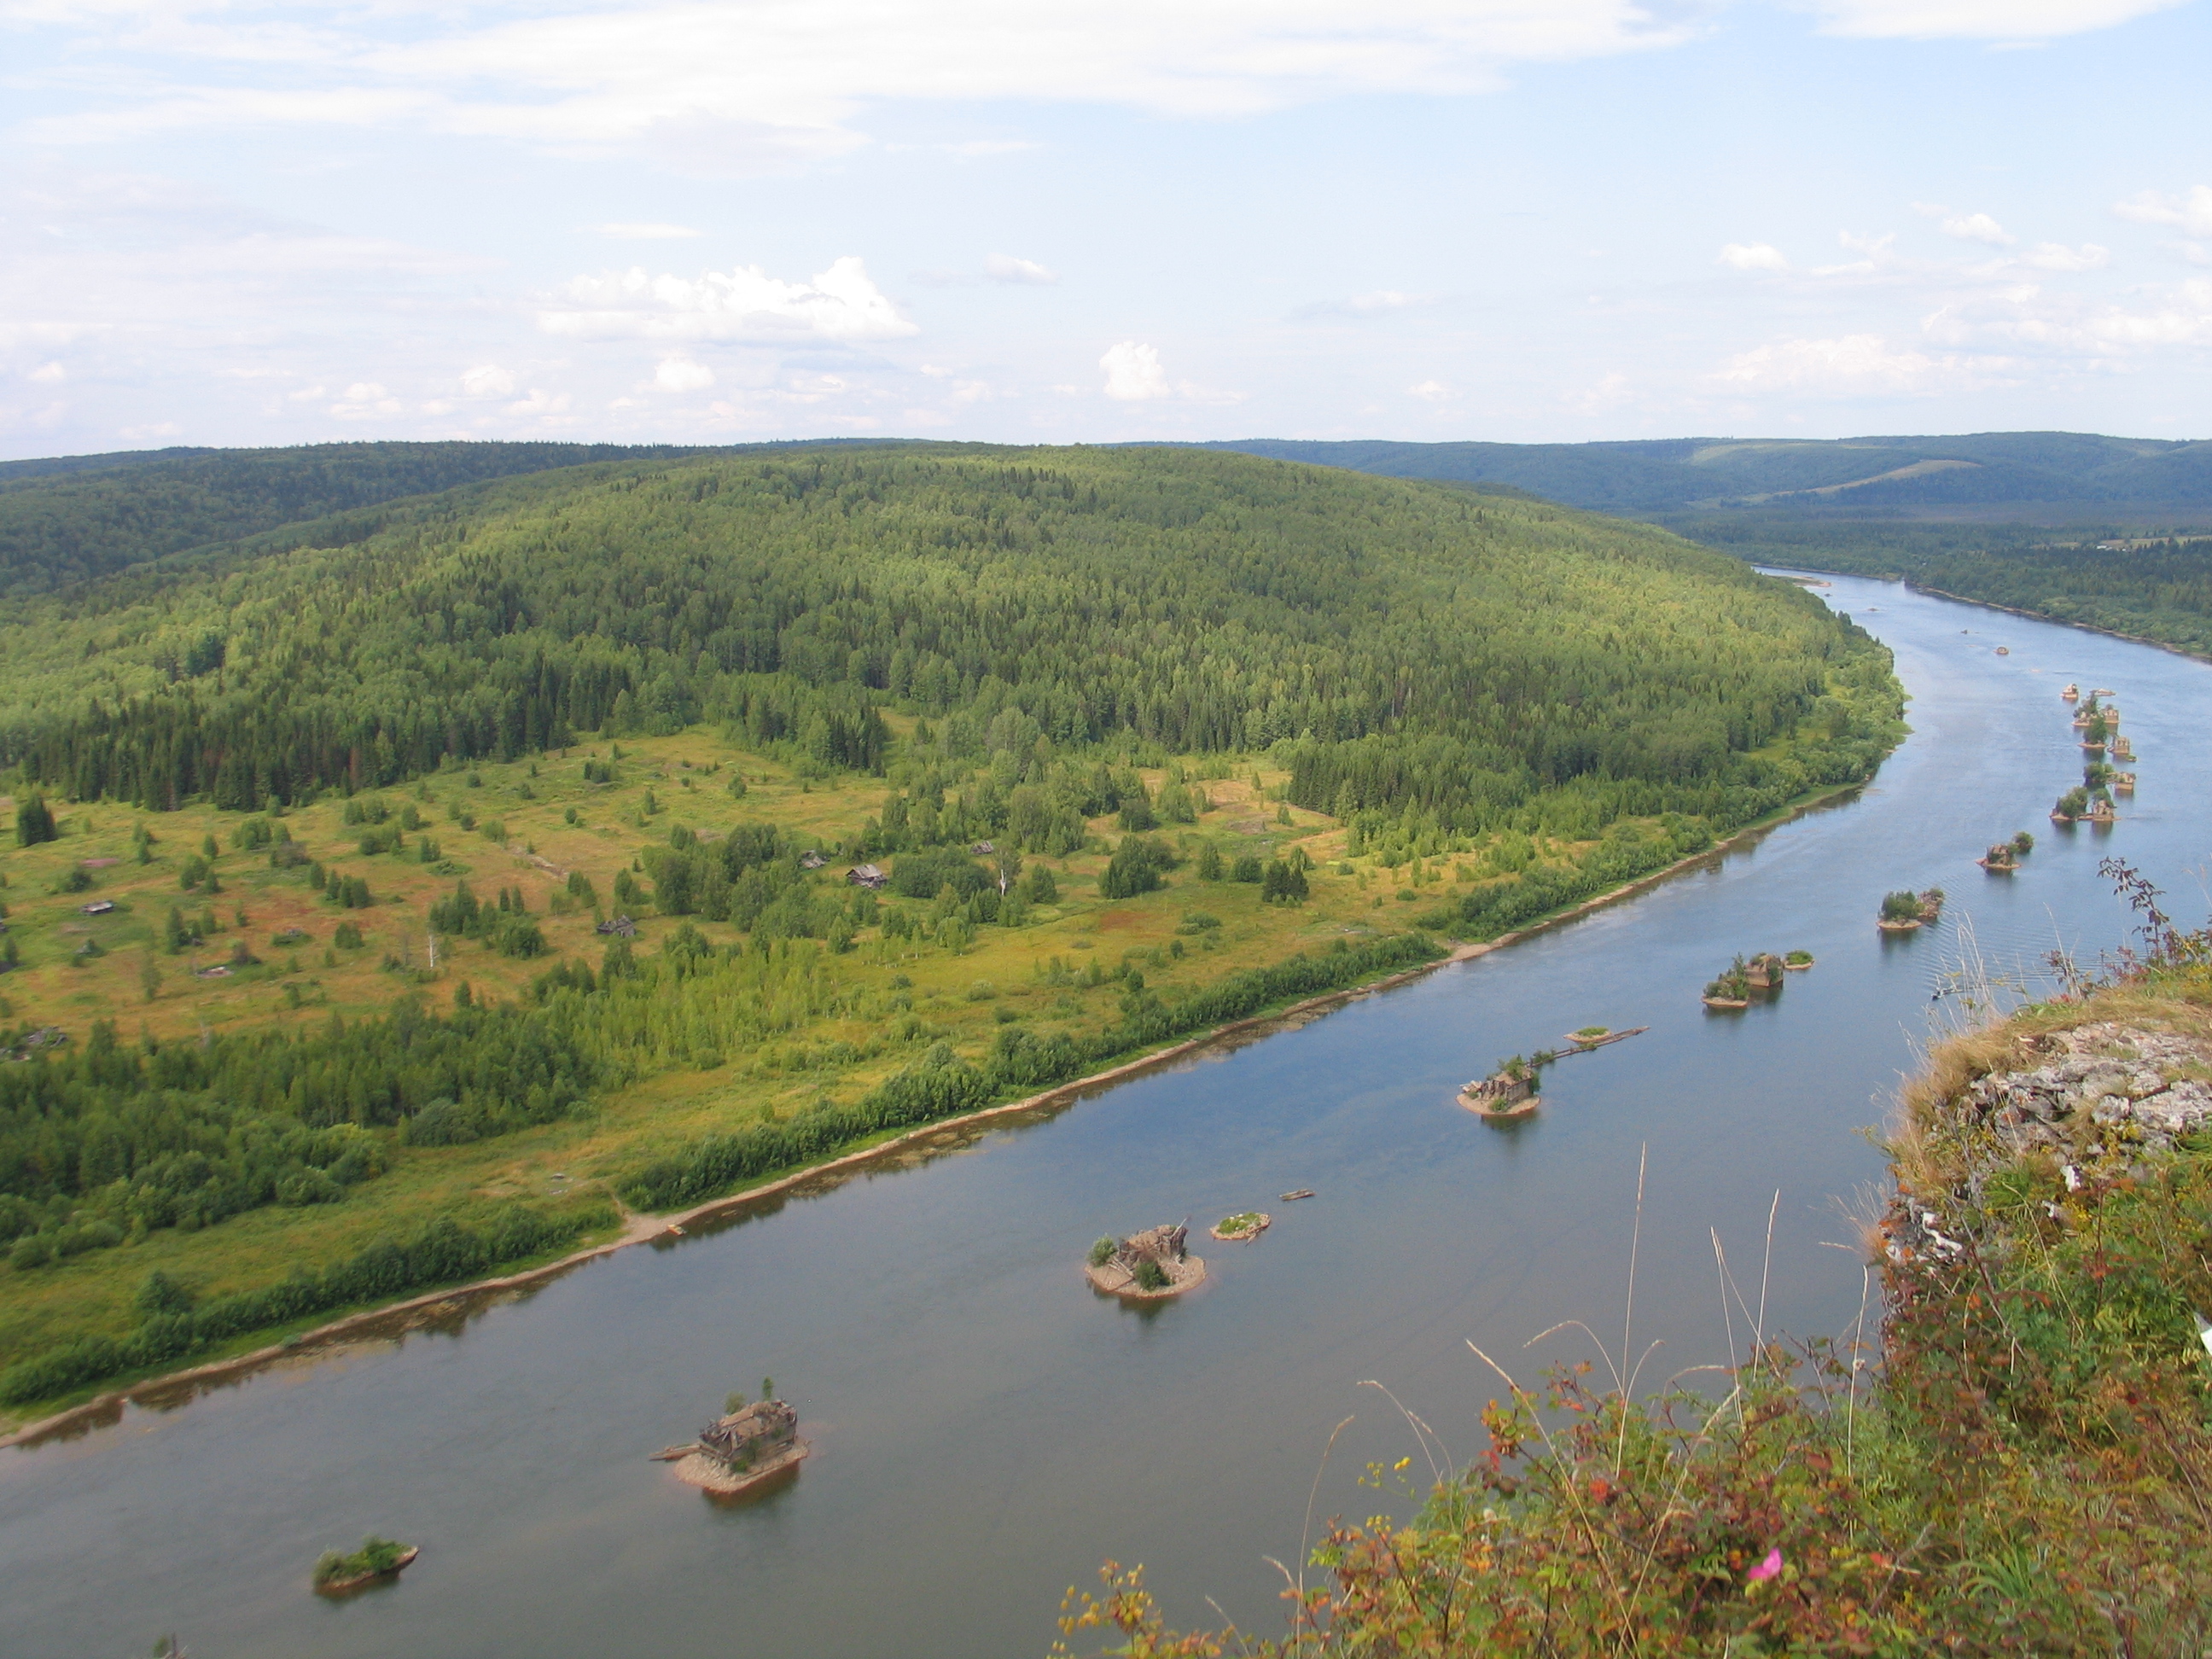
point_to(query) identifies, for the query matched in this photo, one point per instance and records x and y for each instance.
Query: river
(986, 1431)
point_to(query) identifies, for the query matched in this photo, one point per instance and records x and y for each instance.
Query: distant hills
(2052, 478)
(74, 517)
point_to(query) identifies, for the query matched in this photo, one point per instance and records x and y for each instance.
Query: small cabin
(867, 876)
(1499, 1090)
(751, 1435)
(98, 907)
(1161, 1245)
(983, 846)
(812, 860)
(618, 927)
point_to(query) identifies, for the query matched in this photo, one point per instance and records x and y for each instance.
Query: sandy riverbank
(393, 1318)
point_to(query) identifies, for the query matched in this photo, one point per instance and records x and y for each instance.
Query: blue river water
(988, 1430)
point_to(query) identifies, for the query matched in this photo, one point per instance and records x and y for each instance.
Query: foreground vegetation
(387, 913)
(2024, 1472)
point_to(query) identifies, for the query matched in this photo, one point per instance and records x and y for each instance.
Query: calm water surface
(986, 1430)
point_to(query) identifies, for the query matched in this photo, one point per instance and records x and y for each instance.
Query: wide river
(986, 1431)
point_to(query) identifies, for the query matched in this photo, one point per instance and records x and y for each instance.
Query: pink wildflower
(1770, 1568)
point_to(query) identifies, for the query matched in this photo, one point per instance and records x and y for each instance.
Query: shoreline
(644, 1228)
(1911, 587)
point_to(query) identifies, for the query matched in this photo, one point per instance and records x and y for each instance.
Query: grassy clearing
(301, 975)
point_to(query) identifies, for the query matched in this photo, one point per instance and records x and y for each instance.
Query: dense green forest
(2043, 477)
(2155, 588)
(1193, 601)
(1014, 646)
(68, 519)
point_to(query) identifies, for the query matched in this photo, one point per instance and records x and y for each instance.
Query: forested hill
(1423, 645)
(2034, 476)
(73, 516)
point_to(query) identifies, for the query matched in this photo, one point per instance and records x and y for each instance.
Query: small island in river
(1242, 1228)
(1509, 1091)
(376, 1560)
(1146, 1266)
(746, 1448)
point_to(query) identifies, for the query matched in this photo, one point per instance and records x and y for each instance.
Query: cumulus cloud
(49, 374)
(488, 380)
(2191, 212)
(838, 304)
(790, 78)
(1977, 227)
(628, 232)
(2184, 317)
(540, 402)
(364, 399)
(1005, 268)
(1852, 365)
(1611, 392)
(1753, 256)
(2055, 256)
(1379, 303)
(1133, 373)
(1980, 20)
(1431, 392)
(681, 374)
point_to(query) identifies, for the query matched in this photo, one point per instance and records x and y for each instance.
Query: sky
(231, 222)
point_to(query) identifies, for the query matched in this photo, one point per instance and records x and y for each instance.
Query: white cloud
(788, 79)
(1753, 256)
(1431, 392)
(1977, 227)
(2055, 256)
(2185, 318)
(1005, 268)
(488, 380)
(1855, 364)
(1611, 392)
(49, 374)
(363, 399)
(1133, 373)
(646, 232)
(1379, 303)
(539, 402)
(838, 304)
(1980, 20)
(2191, 212)
(681, 374)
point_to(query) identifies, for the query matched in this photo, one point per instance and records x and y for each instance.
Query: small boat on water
(2004, 651)
(2071, 692)
(1303, 1192)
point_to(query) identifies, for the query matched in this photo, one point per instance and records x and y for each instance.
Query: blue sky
(1098, 220)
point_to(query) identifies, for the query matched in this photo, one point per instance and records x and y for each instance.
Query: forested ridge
(1200, 602)
(2045, 477)
(1041, 687)
(70, 520)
